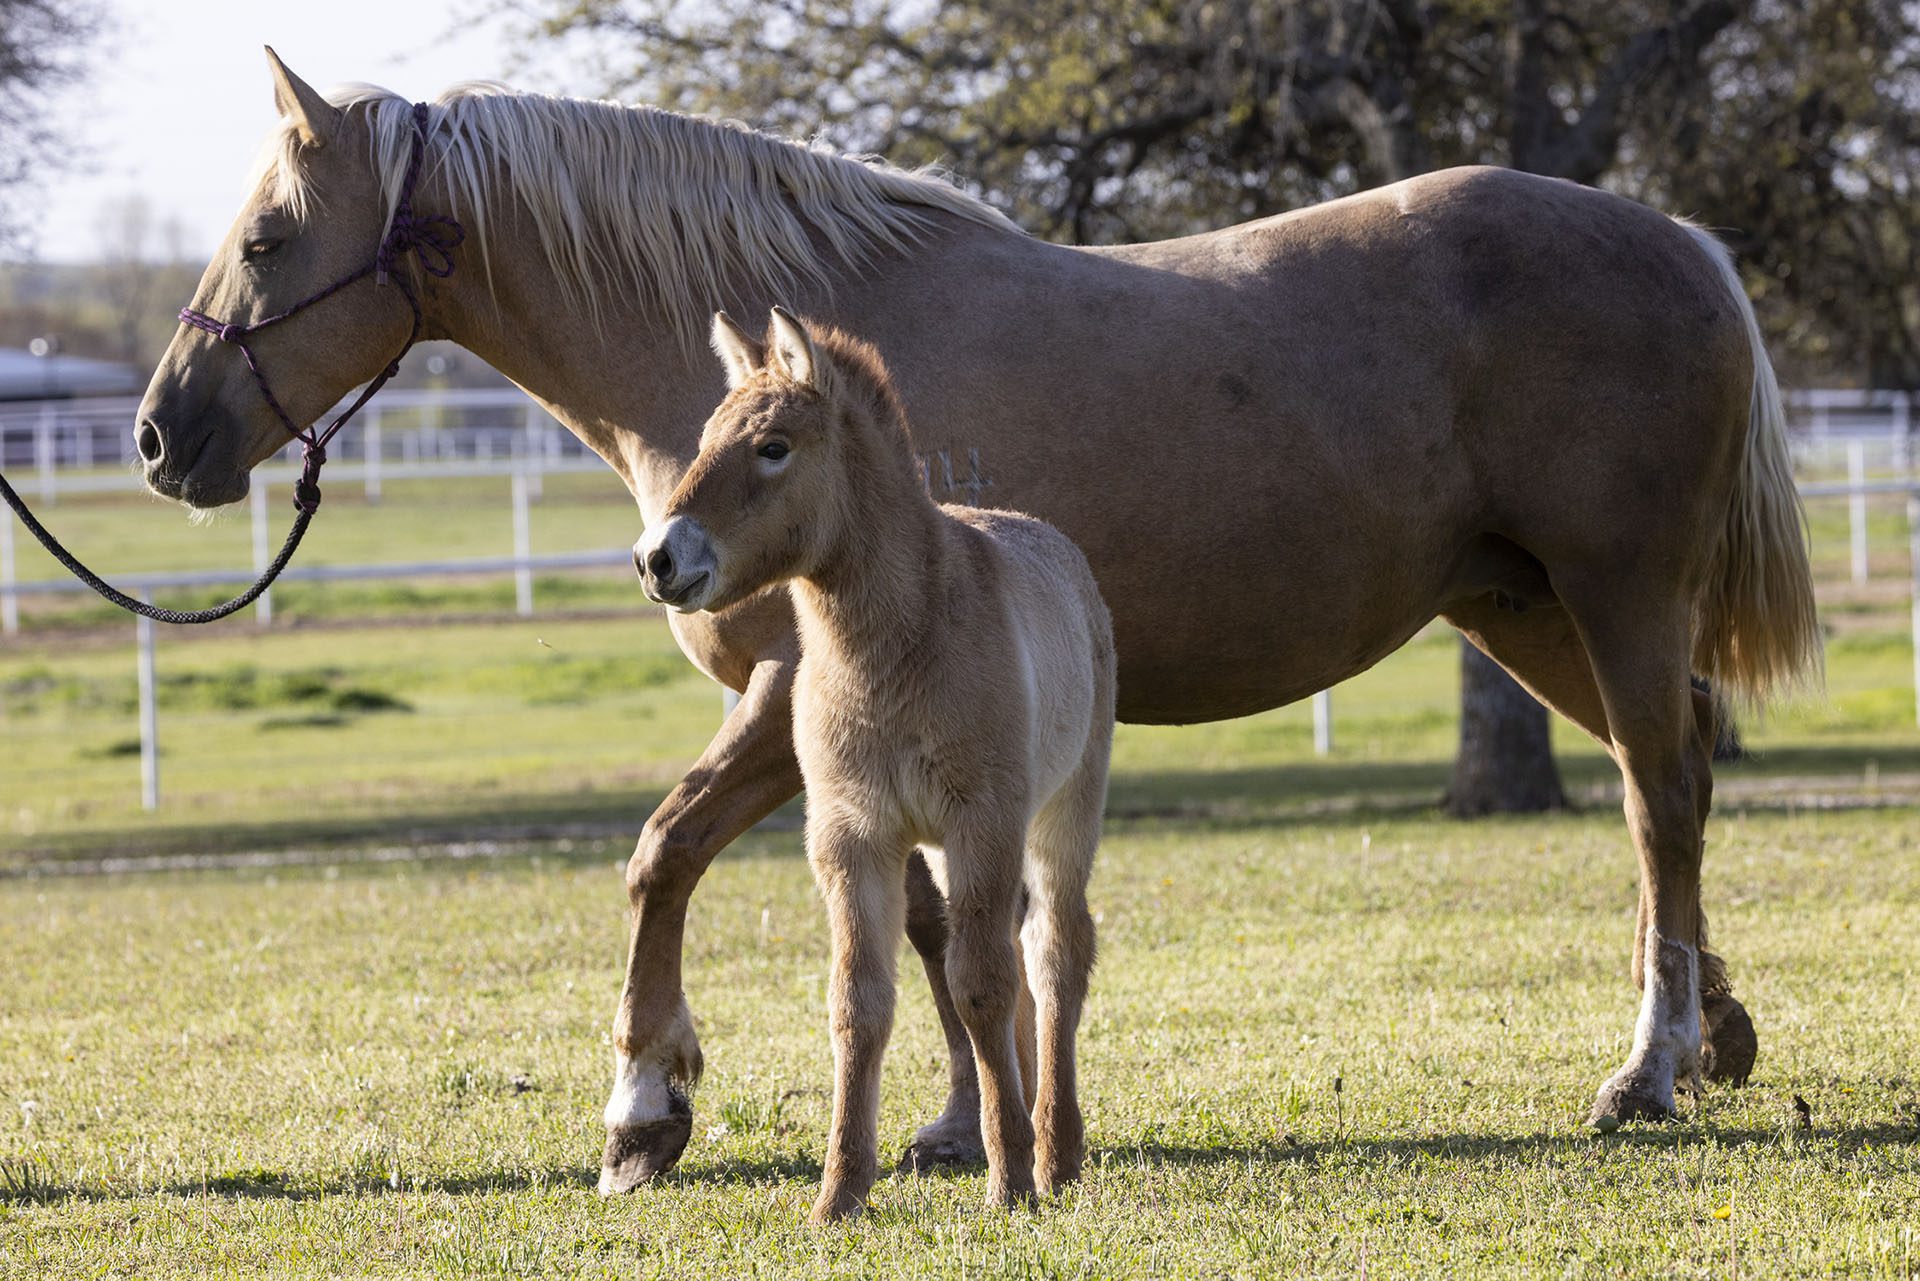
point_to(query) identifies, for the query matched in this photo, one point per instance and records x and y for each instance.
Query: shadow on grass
(22, 1184)
(1819, 1143)
(28, 1183)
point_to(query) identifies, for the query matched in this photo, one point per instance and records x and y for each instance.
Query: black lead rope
(140, 607)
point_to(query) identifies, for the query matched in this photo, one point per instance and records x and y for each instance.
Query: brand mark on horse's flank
(936, 469)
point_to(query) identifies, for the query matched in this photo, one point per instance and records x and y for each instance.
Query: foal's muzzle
(676, 564)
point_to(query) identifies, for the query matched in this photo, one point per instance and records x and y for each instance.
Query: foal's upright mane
(686, 208)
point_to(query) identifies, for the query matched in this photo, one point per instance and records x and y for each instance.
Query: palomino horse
(955, 693)
(1540, 411)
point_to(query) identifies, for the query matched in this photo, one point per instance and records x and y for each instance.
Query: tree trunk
(1505, 765)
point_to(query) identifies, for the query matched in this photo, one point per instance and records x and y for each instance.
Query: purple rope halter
(431, 239)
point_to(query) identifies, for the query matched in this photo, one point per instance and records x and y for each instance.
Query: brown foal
(955, 693)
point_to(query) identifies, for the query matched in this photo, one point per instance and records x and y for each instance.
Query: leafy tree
(1791, 123)
(39, 45)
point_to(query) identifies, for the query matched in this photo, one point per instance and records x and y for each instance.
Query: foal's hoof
(1630, 1098)
(635, 1153)
(944, 1145)
(1728, 1044)
(836, 1207)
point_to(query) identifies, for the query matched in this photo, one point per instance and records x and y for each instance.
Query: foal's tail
(1754, 630)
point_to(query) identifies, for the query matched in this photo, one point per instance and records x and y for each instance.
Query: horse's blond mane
(687, 208)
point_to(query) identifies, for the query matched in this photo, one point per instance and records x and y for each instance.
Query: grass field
(1339, 1047)
(1331, 1034)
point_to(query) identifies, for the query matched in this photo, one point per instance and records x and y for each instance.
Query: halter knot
(306, 490)
(230, 333)
(431, 240)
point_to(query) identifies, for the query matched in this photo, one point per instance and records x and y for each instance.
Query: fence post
(1857, 505)
(43, 452)
(9, 603)
(149, 715)
(522, 547)
(262, 607)
(533, 449)
(1323, 723)
(370, 446)
(1908, 429)
(1903, 441)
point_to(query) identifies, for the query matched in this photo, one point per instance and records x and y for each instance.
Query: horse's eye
(773, 451)
(257, 249)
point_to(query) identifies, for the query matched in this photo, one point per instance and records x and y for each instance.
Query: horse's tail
(1754, 629)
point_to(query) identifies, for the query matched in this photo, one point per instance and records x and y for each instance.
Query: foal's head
(810, 428)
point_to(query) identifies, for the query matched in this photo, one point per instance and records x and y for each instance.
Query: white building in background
(26, 376)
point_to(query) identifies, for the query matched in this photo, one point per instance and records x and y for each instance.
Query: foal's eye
(773, 451)
(257, 249)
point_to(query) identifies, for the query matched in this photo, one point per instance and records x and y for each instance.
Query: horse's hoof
(1729, 1044)
(1626, 1098)
(636, 1153)
(941, 1146)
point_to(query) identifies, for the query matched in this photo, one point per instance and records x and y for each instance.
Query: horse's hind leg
(1059, 939)
(1639, 659)
(954, 1137)
(1544, 651)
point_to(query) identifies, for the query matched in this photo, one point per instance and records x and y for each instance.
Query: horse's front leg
(746, 771)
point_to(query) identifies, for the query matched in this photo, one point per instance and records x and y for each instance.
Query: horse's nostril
(660, 564)
(148, 441)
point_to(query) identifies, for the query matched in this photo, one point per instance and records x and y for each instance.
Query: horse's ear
(742, 356)
(313, 115)
(791, 349)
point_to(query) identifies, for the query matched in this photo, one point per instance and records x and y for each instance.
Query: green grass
(578, 725)
(384, 1069)
(398, 1070)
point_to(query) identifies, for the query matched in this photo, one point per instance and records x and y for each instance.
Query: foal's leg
(1059, 940)
(983, 880)
(862, 882)
(746, 772)
(1640, 666)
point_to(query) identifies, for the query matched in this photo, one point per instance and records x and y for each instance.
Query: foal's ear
(313, 115)
(792, 349)
(742, 356)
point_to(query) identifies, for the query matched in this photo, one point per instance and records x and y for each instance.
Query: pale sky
(178, 98)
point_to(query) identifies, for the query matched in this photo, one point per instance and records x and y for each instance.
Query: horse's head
(316, 215)
(762, 497)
